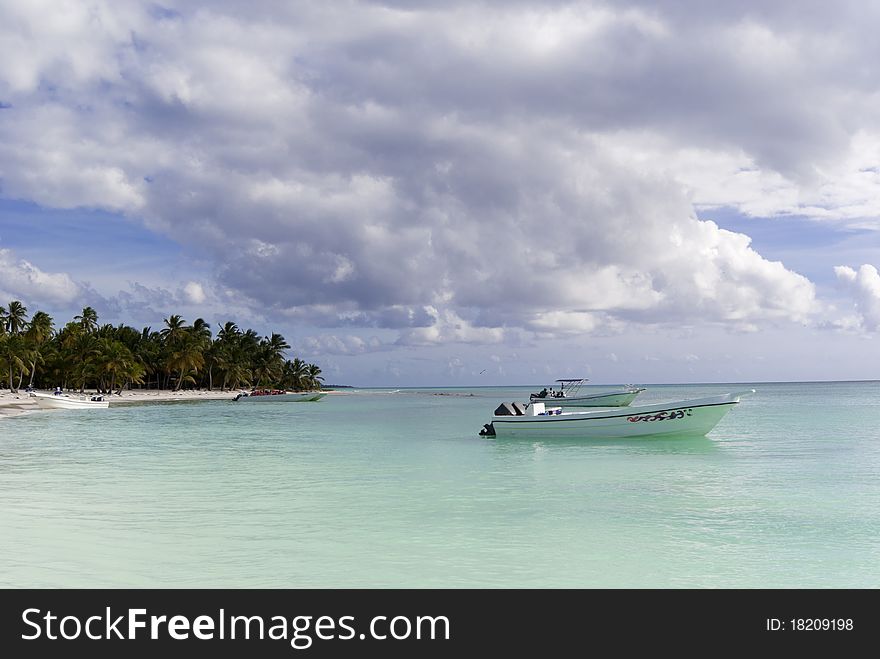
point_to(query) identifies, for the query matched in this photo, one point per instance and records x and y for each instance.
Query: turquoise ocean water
(374, 488)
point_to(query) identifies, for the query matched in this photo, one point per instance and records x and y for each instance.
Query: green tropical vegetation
(109, 358)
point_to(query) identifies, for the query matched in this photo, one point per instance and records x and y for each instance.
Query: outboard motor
(488, 430)
(505, 409)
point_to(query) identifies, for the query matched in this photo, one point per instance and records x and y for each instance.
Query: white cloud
(331, 344)
(459, 172)
(864, 286)
(844, 189)
(150, 303)
(22, 280)
(448, 327)
(194, 293)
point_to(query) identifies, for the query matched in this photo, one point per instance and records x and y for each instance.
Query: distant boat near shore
(279, 396)
(68, 402)
(569, 395)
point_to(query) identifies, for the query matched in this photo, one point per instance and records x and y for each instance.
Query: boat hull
(606, 399)
(306, 397)
(685, 417)
(65, 402)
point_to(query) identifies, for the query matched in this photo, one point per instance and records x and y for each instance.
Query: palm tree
(173, 334)
(83, 354)
(86, 350)
(175, 329)
(186, 357)
(17, 353)
(223, 349)
(53, 368)
(117, 361)
(228, 331)
(40, 328)
(15, 318)
(87, 320)
(248, 342)
(277, 345)
(295, 374)
(244, 358)
(264, 370)
(15, 356)
(269, 360)
(238, 375)
(201, 330)
(149, 352)
(37, 335)
(313, 377)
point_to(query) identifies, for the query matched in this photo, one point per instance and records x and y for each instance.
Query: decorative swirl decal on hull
(662, 416)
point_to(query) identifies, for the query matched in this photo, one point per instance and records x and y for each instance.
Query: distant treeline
(83, 354)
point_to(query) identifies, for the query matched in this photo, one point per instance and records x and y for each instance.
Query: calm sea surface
(395, 489)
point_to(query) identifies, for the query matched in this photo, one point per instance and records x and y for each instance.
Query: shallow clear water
(380, 489)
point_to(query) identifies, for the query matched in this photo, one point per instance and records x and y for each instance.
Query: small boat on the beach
(695, 416)
(60, 401)
(280, 396)
(569, 395)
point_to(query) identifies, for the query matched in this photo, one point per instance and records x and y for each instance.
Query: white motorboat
(60, 401)
(568, 394)
(695, 416)
(280, 396)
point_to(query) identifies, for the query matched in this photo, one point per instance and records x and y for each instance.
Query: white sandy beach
(12, 404)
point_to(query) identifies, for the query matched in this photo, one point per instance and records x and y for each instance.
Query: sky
(457, 193)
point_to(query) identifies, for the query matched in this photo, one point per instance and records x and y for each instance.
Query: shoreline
(16, 404)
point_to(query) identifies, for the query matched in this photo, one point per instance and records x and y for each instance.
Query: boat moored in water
(280, 396)
(695, 416)
(569, 395)
(58, 401)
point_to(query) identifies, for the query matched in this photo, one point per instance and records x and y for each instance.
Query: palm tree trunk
(33, 370)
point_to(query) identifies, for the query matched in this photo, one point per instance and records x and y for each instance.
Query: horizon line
(608, 384)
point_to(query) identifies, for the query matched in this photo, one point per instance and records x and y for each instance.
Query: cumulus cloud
(22, 280)
(331, 344)
(864, 286)
(194, 293)
(448, 327)
(142, 303)
(456, 171)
